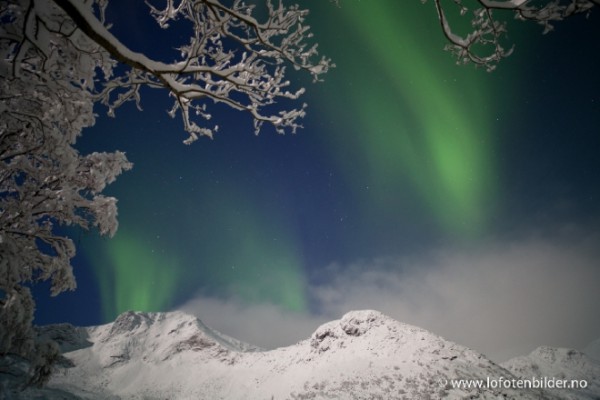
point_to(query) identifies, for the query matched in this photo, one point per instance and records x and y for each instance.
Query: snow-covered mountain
(364, 355)
(560, 363)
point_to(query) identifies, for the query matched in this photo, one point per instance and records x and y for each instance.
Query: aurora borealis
(403, 153)
(428, 135)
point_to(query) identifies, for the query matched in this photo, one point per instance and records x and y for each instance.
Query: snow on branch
(231, 58)
(57, 59)
(482, 46)
(47, 73)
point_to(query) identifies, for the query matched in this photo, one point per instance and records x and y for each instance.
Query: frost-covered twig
(231, 58)
(482, 46)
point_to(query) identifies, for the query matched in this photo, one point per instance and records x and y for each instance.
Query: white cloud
(263, 325)
(502, 299)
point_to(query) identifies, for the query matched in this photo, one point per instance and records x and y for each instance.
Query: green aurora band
(238, 251)
(135, 278)
(252, 251)
(422, 121)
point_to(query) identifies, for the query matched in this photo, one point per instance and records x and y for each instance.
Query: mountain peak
(365, 328)
(131, 321)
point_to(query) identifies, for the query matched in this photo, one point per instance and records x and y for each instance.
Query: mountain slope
(364, 355)
(559, 363)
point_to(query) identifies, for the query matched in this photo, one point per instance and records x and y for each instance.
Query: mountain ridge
(363, 355)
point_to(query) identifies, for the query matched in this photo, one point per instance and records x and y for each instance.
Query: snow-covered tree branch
(47, 71)
(231, 58)
(57, 59)
(483, 45)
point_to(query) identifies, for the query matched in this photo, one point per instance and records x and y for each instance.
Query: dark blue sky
(402, 154)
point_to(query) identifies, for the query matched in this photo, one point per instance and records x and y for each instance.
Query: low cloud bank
(503, 299)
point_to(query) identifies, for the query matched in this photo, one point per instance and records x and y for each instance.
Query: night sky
(462, 201)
